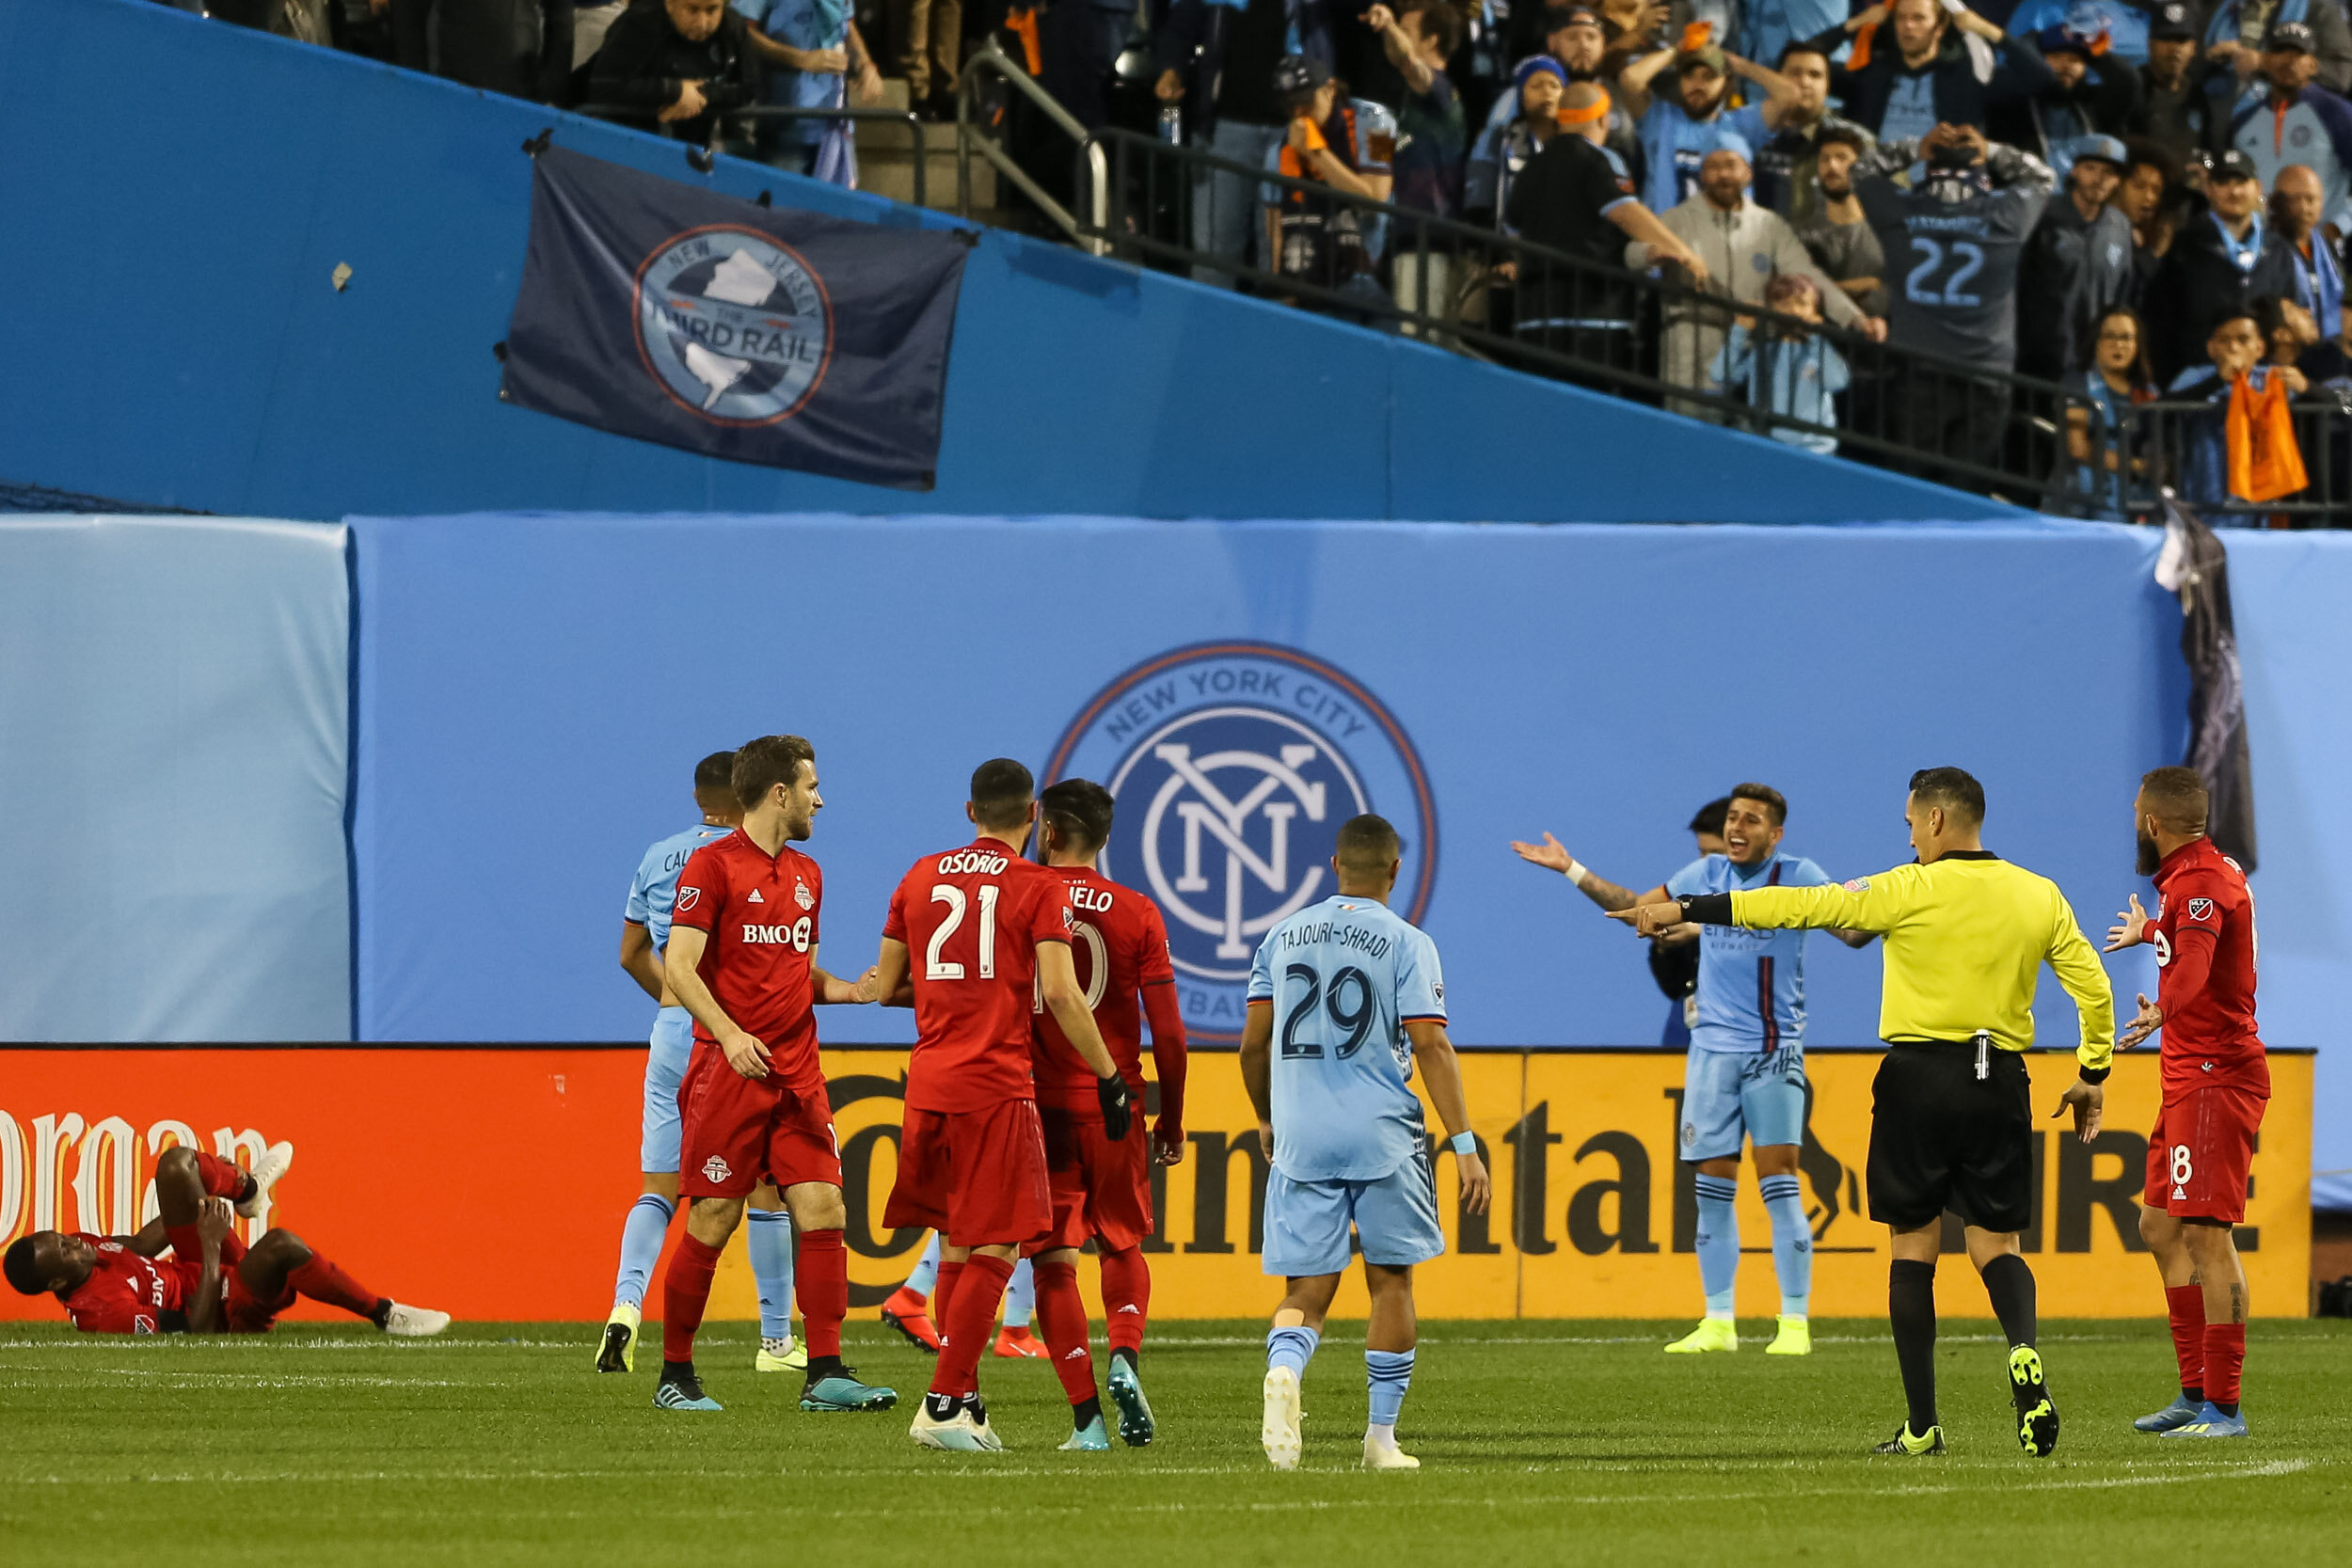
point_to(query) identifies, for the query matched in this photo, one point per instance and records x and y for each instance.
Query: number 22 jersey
(1344, 977)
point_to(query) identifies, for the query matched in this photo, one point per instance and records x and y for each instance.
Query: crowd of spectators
(2145, 202)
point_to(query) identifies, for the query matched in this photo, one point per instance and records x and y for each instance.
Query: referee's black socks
(1911, 1310)
(2010, 1282)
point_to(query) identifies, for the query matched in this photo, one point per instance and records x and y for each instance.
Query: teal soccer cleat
(841, 1390)
(1135, 1411)
(1089, 1438)
(683, 1391)
(2181, 1411)
(2210, 1422)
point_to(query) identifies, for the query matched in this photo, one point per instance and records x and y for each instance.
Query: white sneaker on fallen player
(274, 1161)
(786, 1354)
(414, 1323)
(1379, 1455)
(1279, 1431)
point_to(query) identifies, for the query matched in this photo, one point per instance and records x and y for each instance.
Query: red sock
(943, 1293)
(221, 1178)
(1061, 1312)
(685, 1291)
(820, 1280)
(2186, 1304)
(971, 1313)
(2225, 1356)
(321, 1280)
(1126, 1297)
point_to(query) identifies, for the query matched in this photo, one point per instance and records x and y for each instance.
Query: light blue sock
(925, 1279)
(1792, 1242)
(1293, 1348)
(770, 1243)
(1387, 1374)
(641, 1246)
(1718, 1243)
(1021, 1296)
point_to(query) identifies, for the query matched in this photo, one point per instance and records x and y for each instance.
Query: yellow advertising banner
(1593, 1215)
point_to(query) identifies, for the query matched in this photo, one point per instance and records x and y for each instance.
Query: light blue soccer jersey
(1345, 977)
(1739, 969)
(655, 887)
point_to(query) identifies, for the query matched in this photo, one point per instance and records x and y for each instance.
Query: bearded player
(2216, 1082)
(1102, 1188)
(212, 1283)
(984, 935)
(752, 1107)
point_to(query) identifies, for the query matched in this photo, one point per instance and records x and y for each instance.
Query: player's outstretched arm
(1257, 1067)
(894, 980)
(682, 962)
(1552, 856)
(150, 1239)
(2130, 928)
(638, 960)
(1441, 1069)
(213, 1219)
(829, 987)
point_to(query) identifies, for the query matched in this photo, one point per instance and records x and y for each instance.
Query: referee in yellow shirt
(1951, 1118)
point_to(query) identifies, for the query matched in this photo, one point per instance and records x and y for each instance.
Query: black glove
(1112, 1092)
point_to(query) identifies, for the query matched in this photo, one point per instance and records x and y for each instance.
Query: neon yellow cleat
(616, 1352)
(1713, 1334)
(786, 1354)
(1794, 1338)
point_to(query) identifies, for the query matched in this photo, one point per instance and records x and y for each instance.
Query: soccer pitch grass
(1541, 1442)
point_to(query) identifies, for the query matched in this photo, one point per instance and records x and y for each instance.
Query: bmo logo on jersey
(1233, 764)
(794, 936)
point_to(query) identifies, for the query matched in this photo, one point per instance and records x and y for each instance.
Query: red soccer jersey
(1120, 944)
(2205, 946)
(971, 920)
(125, 1293)
(761, 914)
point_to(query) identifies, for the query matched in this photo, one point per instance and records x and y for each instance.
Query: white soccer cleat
(274, 1161)
(959, 1434)
(1386, 1456)
(1279, 1431)
(414, 1323)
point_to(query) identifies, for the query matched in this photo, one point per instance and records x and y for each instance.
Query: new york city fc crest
(735, 327)
(1233, 764)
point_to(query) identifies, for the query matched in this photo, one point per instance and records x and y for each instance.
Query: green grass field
(1542, 1442)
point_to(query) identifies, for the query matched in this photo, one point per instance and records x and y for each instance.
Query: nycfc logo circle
(1233, 764)
(733, 325)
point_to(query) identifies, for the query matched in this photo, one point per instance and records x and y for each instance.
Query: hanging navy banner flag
(656, 311)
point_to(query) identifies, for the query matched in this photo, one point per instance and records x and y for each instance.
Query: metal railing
(754, 115)
(1499, 298)
(2183, 446)
(991, 63)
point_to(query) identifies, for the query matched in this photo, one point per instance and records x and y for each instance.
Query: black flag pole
(2194, 566)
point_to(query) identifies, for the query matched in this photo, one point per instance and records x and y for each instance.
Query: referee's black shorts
(1943, 1138)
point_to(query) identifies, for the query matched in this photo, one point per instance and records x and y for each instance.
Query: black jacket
(522, 47)
(1960, 98)
(645, 60)
(2197, 283)
(2072, 273)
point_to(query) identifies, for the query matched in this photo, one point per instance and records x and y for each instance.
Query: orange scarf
(2265, 461)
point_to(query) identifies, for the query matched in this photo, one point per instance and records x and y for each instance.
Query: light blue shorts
(672, 1043)
(1726, 1093)
(1395, 1219)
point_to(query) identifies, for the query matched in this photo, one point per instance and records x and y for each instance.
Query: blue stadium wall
(178, 193)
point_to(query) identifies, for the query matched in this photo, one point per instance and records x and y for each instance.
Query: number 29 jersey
(1344, 977)
(971, 920)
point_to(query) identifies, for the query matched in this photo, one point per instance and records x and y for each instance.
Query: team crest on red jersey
(802, 896)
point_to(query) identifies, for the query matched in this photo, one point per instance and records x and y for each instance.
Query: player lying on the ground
(1357, 997)
(908, 1311)
(2217, 1081)
(212, 1283)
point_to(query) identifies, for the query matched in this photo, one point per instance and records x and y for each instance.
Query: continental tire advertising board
(492, 1181)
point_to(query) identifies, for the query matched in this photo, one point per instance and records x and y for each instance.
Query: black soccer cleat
(2037, 1414)
(1904, 1444)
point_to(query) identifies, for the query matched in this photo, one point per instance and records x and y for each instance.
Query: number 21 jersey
(1344, 977)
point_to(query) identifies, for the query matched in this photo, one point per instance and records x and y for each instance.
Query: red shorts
(1102, 1190)
(241, 1310)
(735, 1130)
(977, 1177)
(2201, 1152)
